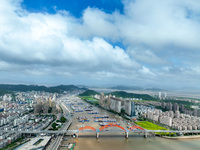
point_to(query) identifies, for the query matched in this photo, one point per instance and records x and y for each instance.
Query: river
(140, 143)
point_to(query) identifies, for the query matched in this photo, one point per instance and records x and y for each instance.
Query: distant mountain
(89, 93)
(131, 95)
(25, 88)
(87, 86)
(155, 89)
(121, 87)
(69, 87)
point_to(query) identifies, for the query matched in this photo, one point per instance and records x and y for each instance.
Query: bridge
(104, 129)
(108, 129)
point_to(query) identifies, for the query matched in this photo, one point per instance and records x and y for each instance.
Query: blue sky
(75, 7)
(149, 43)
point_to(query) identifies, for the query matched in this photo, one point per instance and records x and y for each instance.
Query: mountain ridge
(26, 88)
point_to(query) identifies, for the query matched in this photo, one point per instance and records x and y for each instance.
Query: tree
(54, 125)
(63, 119)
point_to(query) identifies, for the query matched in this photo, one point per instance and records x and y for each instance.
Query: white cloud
(146, 71)
(158, 37)
(44, 39)
(146, 56)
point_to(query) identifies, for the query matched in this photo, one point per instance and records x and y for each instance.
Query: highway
(106, 130)
(56, 143)
(59, 138)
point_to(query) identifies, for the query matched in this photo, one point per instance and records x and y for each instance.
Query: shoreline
(182, 137)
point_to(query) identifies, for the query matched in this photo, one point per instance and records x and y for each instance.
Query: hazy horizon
(117, 87)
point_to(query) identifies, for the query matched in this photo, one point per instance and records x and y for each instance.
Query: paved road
(55, 145)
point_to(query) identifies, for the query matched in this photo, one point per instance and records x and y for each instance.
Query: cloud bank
(160, 44)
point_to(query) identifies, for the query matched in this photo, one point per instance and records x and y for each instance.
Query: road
(59, 138)
(55, 145)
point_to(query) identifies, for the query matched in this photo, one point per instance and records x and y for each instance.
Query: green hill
(25, 88)
(3, 92)
(89, 93)
(68, 88)
(132, 95)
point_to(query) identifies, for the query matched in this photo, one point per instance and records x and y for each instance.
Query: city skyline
(129, 42)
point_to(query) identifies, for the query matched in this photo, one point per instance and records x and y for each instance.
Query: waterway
(139, 143)
(118, 141)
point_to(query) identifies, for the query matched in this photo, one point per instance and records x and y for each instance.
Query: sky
(148, 43)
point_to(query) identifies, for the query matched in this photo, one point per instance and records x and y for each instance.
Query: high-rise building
(115, 104)
(150, 115)
(128, 107)
(160, 95)
(169, 106)
(7, 97)
(195, 112)
(50, 102)
(163, 105)
(171, 114)
(132, 108)
(165, 95)
(177, 114)
(101, 99)
(45, 107)
(166, 120)
(109, 96)
(118, 105)
(198, 112)
(54, 97)
(112, 104)
(175, 107)
(182, 107)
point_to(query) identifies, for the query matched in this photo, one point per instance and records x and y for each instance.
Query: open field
(150, 126)
(90, 100)
(86, 98)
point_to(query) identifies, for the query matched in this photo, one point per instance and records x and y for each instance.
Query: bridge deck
(106, 130)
